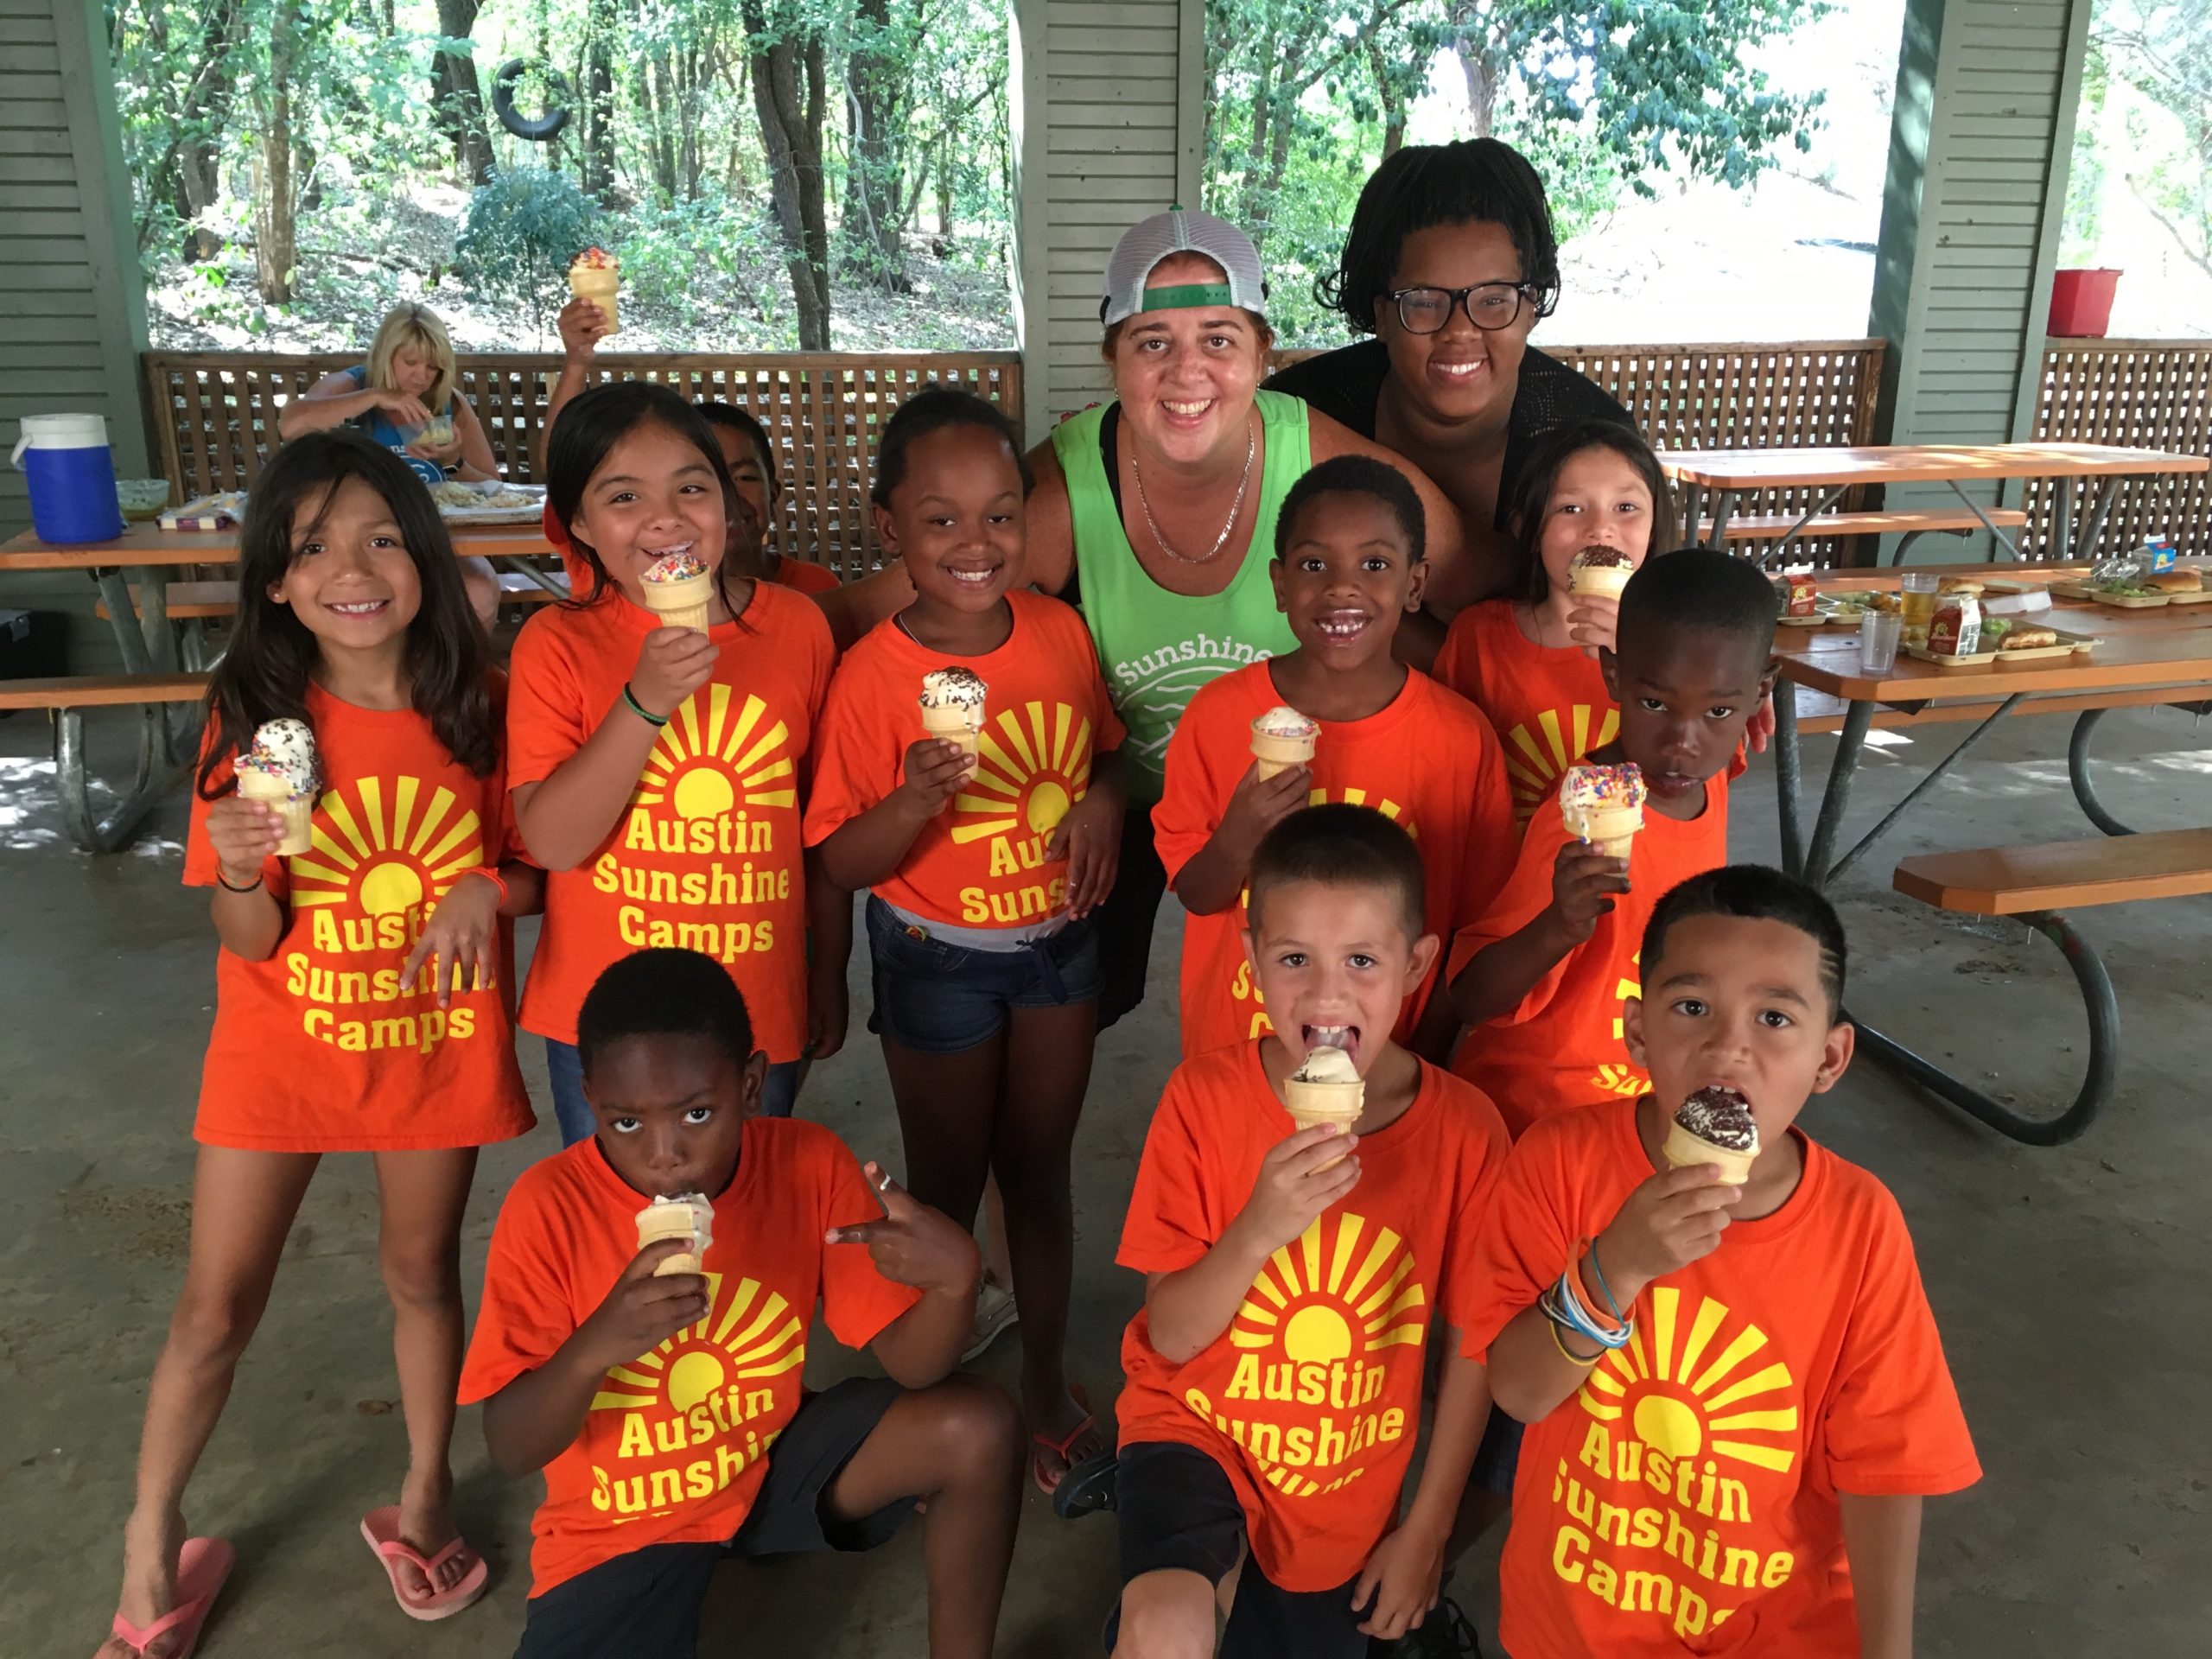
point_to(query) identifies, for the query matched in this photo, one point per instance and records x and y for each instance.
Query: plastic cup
(1878, 633)
(1918, 592)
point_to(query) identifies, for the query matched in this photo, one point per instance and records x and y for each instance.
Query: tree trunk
(274, 226)
(656, 87)
(874, 192)
(788, 83)
(456, 96)
(1482, 76)
(599, 100)
(943, 175)
(1394, 106)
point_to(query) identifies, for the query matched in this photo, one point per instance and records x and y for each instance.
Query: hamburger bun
(1960, 586)
(2027, 638)
(2177, 581)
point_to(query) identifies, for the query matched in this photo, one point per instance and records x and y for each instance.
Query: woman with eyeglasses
(1449, 264)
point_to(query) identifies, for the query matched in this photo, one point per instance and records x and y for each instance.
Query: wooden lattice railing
(2148, 394)
(216, 417)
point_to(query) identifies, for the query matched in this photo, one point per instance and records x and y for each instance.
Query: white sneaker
(994, 1312)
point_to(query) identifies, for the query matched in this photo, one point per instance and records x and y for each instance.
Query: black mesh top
(1346, 383)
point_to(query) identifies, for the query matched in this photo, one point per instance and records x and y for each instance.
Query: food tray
(2115, 601)
(1817, 620)
(2068, 645)
(509, 512)
(2204, 598)
(1975, 659)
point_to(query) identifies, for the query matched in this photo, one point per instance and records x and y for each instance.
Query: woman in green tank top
(1156, 513)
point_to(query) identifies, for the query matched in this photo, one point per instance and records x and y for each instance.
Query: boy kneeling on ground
(1713, 1328)
(669, 1411)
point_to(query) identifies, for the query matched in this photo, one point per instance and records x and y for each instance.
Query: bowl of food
(142, 498)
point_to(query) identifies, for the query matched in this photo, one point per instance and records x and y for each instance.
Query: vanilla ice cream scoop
(284, 749)
(953, 688)
(1283, 721)
(688, 1215)
(1592, 786)
(1326, 1063)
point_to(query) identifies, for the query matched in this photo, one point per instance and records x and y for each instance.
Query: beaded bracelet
(640, 708)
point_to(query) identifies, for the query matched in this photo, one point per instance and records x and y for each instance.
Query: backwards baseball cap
(1145, 243)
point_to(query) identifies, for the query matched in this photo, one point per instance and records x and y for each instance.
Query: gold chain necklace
(1251, 448)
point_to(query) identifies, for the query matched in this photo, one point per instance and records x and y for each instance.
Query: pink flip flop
(381, 1528)
(201, 1567)
(1060, 1448)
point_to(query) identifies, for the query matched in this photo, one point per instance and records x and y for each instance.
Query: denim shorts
(937, 998)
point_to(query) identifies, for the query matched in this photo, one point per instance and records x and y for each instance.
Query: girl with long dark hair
(656, 770)
(360, 995)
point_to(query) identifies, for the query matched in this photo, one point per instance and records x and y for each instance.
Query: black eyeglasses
(1488, 306)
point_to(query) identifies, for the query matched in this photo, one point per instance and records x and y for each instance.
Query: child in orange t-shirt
(665, 1400)
(1530, 663)
(1293, 1277)
(1735, 1394)
(1540, 979)
(361, 1000)
(657, 772)
(1350, 561)
(984, 860)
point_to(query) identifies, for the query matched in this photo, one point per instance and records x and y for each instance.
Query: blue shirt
(379, 428)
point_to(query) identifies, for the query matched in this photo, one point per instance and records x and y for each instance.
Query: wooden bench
(163, 744)
(200, 600)
(2035, 884)
(1909, 525)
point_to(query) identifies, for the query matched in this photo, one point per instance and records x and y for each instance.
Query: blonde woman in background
(403, 398)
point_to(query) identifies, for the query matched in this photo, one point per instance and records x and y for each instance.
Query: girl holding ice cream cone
(361, 1000)
(659, 736)
(969, 776)
(1591, 505)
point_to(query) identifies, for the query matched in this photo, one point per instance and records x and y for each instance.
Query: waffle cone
(1276, 753)
(682, 603)
(1684, 1149)
(952, 724)
(600, 286)
(1313, 1103)
(1598, 582)
(298, 811)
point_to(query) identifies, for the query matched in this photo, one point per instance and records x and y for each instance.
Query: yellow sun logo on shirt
(1739, 1403)
(1332, 1293)
(1031, 768)
(386, 855)
(1537, 753)
(708, 757)
(755, 1336)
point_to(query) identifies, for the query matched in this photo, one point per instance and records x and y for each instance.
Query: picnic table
(2160, 655)
(1724, 474)
(162, 662)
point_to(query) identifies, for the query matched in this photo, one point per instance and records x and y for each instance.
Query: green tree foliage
(522, 230)
(2161, 50)
(1308, 95)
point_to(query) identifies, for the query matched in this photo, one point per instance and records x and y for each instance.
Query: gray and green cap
(1181, 231)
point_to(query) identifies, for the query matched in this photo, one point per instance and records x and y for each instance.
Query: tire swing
(539, 129)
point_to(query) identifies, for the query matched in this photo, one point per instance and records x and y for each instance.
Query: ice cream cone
(298, 810)
(1277, 753)
(1684, 1149)
(958, 725)
(682, 603)
(690, 1218)
(1611, 829)
(1598, 581)
(1310, 1103)
(600, 285)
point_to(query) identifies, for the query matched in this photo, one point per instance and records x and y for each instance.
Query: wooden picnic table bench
(163, 745)
(2161, 656)
(1908, 525)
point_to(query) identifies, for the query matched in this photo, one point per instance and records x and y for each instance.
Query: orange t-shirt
(1429, 761)
(1548, 705)
(1684, 1499)
(980, 862)
(707, 856)
(676, 1442)
(320, 1048)
(1310, 1400)
(1563, 1046)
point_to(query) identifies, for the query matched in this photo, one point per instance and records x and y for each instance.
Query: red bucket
(2081, 302)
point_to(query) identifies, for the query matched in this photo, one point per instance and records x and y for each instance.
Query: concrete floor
(2070, 1285)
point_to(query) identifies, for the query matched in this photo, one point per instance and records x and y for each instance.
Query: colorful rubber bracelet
(255, 886)
(1606, 1290)
(1583, 1298)
(490, 875)
(1568, 1353)
(1563, 1307)
(640, 708)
